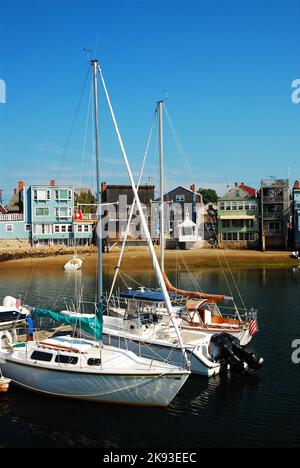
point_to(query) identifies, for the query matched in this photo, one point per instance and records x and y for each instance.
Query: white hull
(124, 379)
(242, 335)
(162, 351)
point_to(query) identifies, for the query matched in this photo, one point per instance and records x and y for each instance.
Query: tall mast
(94, 64)
(161, 208)
(144, 224)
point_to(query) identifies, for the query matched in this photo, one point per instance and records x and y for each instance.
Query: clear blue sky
(227, 66)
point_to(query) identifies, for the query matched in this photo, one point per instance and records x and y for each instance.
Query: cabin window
(41, 356)
(65, 359)
(94, 362)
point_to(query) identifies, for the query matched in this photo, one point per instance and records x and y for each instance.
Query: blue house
(43, 215)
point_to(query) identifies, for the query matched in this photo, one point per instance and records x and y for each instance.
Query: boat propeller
(227, 350)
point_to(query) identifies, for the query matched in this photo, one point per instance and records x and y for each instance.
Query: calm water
(228, 411)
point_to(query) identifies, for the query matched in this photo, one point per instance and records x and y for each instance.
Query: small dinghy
(74, 264)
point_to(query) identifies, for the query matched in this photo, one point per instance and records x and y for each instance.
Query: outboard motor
(225, 347)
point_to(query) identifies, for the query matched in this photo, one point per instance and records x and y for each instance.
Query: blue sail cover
(148, 295)
(93, 325)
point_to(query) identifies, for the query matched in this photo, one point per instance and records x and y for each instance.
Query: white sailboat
(140, 316)
(84, 369)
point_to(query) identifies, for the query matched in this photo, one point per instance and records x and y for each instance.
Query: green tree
(87, 198)
(208, 195)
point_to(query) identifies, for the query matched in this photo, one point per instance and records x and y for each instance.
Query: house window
(229, 236)
(247, 206)
(180, 198)
(274, 226)
(63, 212)
(41, 194)
(222, 206)
(234, 236)
(27, 227)
(233, 205)
(249, 223)
(56, 228)
(241, 206)
(241, 236)
(9, 228)
(70, 228)
(63, 228)
(238, 223)
(253, 206)
(86, 228)
(42, 211)
(224, 236)
(225, 223)
(79, 229)
(228, 206)
(42, 228)
(63, 194)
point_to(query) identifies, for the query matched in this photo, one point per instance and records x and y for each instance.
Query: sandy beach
(139, 258)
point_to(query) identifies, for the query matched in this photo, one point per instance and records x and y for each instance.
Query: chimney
(52, 183)
(193, 188)
(103, 187)
(20, 185)
(296, 184)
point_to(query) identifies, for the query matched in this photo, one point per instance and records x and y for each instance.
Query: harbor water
(226, 411)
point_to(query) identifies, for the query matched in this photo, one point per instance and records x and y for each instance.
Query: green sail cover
(93, 326)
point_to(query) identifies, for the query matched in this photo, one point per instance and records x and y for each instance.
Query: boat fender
(30, 330)
(6, 340)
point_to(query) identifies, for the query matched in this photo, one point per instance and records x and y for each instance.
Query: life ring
(6, 335)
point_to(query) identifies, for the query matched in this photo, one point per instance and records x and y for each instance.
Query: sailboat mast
(161, 210)
(94, 64)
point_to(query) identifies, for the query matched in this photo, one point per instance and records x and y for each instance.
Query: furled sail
(93, 325)
(195, 294)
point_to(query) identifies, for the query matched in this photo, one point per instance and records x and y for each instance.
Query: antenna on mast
(87, 54)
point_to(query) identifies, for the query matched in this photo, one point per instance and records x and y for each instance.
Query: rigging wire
(66, 148)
